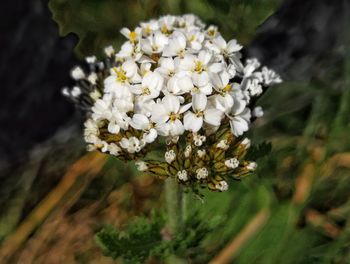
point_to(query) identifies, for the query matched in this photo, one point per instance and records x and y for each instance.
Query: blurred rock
(34, 65)
(299, 36)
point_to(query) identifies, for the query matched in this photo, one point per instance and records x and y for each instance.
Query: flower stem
(173, 197)
(174, 204)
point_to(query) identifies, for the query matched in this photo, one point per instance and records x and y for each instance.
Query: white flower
(232, 163)
(188, 151)
(92, 78)
(141, 165)
(154, 43)
(114, 149)
(270, 77)
(132, 144)
(200, 65)
(167, 113)
(223, 144)
(145, 68)
(202, 173)
(219, 45)
(195, 39)
(76, 91)
(101, 110)
(91, 59)
(182, 175)
(130, 51)
(179, 84)
(239, 118)
(141, 122)
(173, 78)
(166, 24)
(77, 73)
(222, 186)
(201, 153)
(104, 146)
(223, 100)
(252, 86)
(198, 139)
(117, 121)
(250, 67)
(167, 66)
(150, 135)
(143, 107)
(193, 121)
(109, 51)
(176, 45)
(149, 27)
(201, 84)
(120, 78)
(188, 21)
(212, 31)
(91, 131)
(132, 36)
(252, 166)
(151, 85)
(170, 156)
(246, 143)
(258, 112)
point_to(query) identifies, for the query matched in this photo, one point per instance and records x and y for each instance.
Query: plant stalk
(174, 205)
(173, 197)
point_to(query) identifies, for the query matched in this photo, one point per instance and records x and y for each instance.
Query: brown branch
(303, 183)
(90, 164)
(321, 221)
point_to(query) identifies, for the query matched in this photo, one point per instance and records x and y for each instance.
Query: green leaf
(135, 243)
(97, 22)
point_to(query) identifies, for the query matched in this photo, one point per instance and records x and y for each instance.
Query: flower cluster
(177, 80)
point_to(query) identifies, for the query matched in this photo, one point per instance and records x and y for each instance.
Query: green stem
(173, 196)
(174, 203)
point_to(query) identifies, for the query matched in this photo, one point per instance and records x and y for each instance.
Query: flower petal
(213, 116)
(192, 122)
(238, 126)
(176, 128)
(171, 103)
(139, 121)
(199, 102)
(159, 114)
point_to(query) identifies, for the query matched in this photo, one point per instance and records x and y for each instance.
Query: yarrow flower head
(178, 80)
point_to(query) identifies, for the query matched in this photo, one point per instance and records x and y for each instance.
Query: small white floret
(141, 165)
(170, 156)
(182, 175)
(232, 163)
(222, 186)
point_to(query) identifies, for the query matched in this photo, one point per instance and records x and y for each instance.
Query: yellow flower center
(192, 38)
(195, 89)
(146, 91)
(181, 53)
(212, 32)
(174, 116)
(199, 67)
(227, 88)
(133, 36)
(121, 74)
(155, 48)
(199, 113)
(165, 30)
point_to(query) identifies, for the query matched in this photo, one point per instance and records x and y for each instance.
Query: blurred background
(54, 197)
